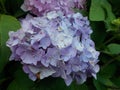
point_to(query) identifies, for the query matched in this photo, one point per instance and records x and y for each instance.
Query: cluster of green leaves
(106, 25)
(105, 22)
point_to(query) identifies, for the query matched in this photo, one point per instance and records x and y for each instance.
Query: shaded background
(104, 16)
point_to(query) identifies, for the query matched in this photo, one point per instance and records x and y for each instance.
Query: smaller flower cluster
(40, 7)
(55, 45)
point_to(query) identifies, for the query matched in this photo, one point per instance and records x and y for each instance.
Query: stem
(110, 40)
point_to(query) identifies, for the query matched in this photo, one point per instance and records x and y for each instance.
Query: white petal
(24, 8)
(44, 72)
(52, 15)
(62, 40)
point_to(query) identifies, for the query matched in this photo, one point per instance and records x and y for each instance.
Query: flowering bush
(53, 39)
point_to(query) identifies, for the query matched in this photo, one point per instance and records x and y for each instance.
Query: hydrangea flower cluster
(40, 7)
(55, 45)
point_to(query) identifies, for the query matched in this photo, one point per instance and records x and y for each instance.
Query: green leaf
(98, 85)
(21, 82)
(109, 14)
(108, 71)
(116, 81)
(7, 23)
(75, 86)
(113, 48)
(101, 10)
(96, 11)
(105, 81)
(57, 84)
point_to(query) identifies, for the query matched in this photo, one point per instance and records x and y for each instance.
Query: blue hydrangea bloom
(58, 46)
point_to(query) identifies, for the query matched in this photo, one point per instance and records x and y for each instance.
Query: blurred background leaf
(57, 84)
(20, 82)
(101, 10)
(97, 13)
(7, 23)
(113, 48)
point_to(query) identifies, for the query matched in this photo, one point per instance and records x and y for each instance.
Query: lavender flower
(40, 7)
(58, 46)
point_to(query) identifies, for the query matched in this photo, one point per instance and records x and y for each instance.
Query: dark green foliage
(104, 16)
(7, 23)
